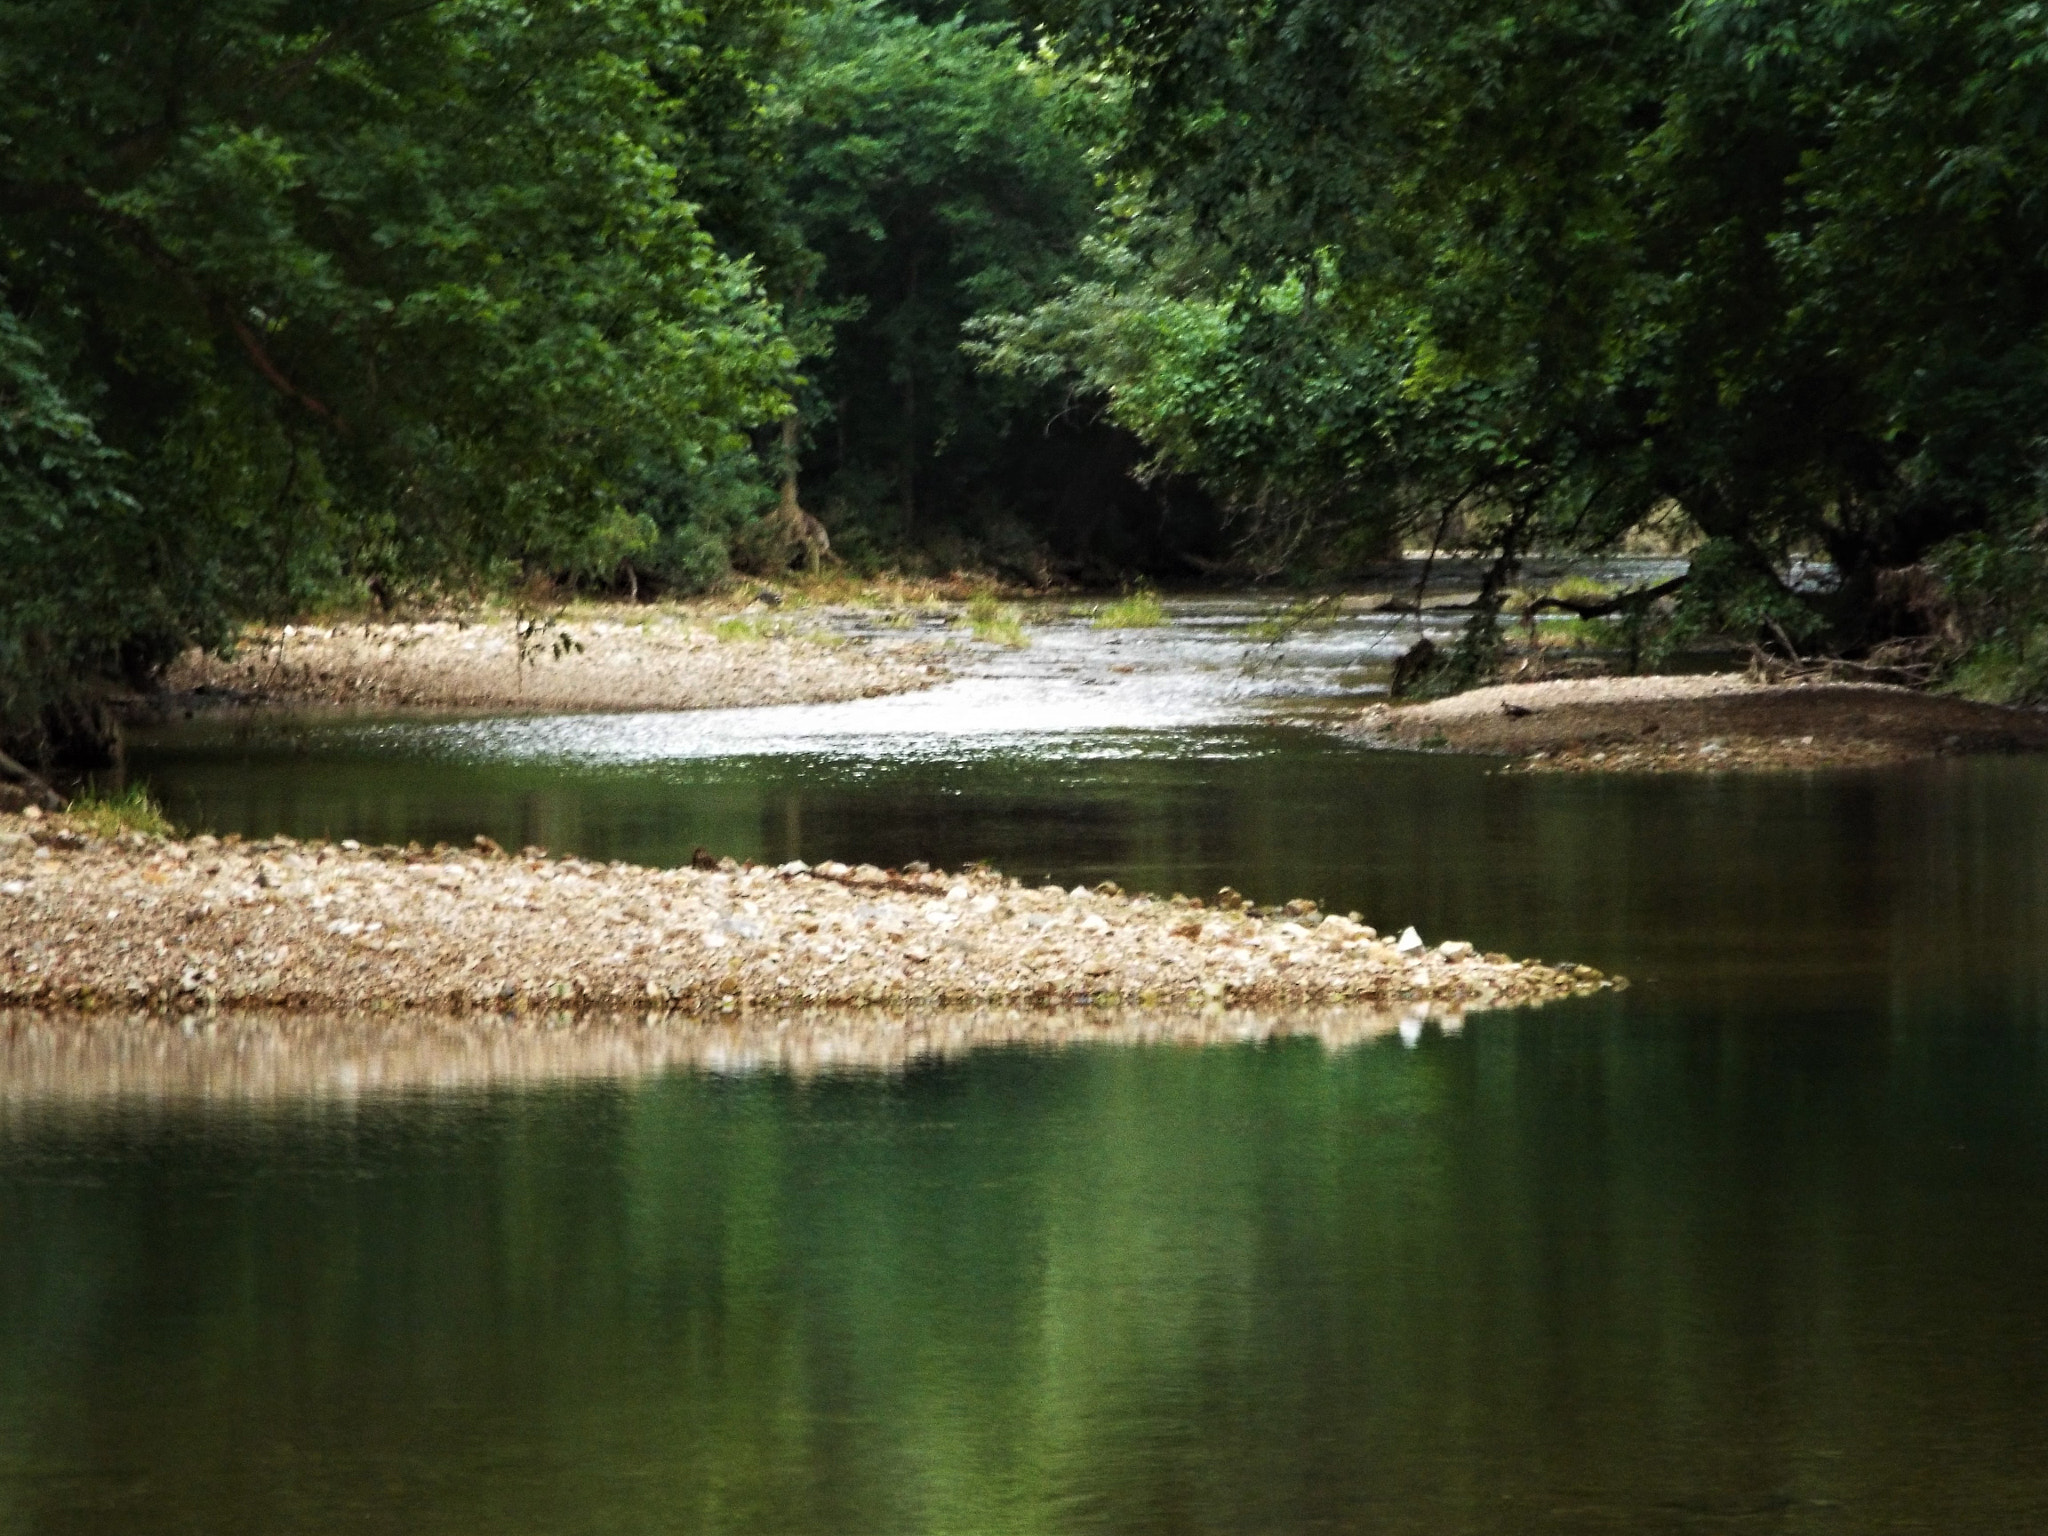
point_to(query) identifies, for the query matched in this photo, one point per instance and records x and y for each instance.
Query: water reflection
(1586, 1270)
(47, 1061)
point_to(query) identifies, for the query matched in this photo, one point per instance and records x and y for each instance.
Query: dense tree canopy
(301, 293)
(1778, 266)
(300, 298)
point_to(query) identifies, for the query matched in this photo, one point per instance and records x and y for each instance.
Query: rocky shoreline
(142, 923)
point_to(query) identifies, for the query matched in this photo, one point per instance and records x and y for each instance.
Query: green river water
(1760, 1244)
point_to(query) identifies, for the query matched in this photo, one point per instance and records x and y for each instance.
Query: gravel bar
(1702, 724)
(659, 661)
(162, 925)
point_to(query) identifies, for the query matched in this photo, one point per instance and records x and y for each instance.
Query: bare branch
(1605, 606)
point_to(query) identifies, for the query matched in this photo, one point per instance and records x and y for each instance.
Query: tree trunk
(909, 454)
(791, 427)
(909, 416)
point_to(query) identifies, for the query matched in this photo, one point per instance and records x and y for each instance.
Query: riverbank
(1701, 724)
(668, 658)
(164, 925)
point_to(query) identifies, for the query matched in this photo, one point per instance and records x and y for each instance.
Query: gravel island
(137, 922)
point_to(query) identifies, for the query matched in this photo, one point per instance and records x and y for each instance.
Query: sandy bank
(1693, 724)
(647, 659)
(145, 923)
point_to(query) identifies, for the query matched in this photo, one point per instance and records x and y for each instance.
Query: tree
(1773, 264)
(939, 170)
(300, 292)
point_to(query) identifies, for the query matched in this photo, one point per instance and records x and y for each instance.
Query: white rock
(1410, 942)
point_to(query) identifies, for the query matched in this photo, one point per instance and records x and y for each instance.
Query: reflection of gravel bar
(147, 923)
(257, 1057)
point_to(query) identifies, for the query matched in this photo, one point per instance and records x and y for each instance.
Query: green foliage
(1244, 386)
(701, 514)
(1997, 582)
(1536, 278)
(936, 170)
(299, 292)
(1731, 590)
(74, 539)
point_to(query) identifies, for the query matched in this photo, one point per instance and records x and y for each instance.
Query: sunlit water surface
(1756, 1245)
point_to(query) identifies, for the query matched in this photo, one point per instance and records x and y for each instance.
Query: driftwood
(1911, 662)
(29, 784)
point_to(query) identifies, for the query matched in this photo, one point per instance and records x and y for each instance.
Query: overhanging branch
(273, 373)
(1601, 608)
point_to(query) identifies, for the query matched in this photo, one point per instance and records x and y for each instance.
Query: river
(1756, 1244)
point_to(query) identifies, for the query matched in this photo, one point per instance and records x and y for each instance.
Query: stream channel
(1760, 1244)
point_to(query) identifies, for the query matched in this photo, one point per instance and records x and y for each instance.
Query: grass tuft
(742, 629)
(110, 815)
(1581, 589)
(1138, 610)
(995, 624)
